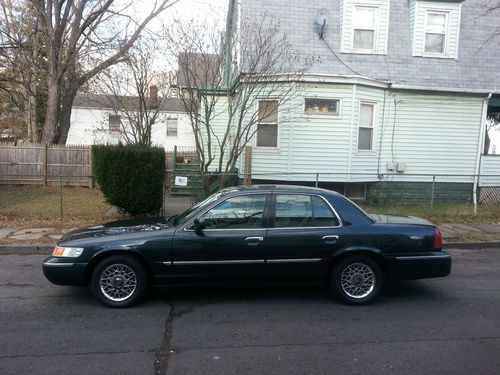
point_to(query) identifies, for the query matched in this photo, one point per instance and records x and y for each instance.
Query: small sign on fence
(181, 181)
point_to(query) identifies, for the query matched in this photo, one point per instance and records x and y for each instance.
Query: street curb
(471, 245)
(26, 249)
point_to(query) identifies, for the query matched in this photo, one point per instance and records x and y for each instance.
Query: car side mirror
(198, 225)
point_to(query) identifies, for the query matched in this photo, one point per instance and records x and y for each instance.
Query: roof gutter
(444, 89)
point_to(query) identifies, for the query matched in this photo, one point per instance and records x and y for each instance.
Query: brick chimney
(153, 96)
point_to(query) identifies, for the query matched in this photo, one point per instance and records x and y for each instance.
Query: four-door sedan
(270, 234)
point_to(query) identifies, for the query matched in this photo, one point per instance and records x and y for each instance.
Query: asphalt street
(436, 326)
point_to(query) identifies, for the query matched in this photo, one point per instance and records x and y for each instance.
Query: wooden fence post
(91, 169)
(248, 166)
(45, 162)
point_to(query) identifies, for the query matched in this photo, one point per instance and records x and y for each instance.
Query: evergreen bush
(130, 176)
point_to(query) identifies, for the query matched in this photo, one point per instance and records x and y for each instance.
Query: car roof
(278, 188)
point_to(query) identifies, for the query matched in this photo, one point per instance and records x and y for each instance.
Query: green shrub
(131, 177)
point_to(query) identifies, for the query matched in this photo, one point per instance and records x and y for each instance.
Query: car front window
(240, 212)
(191, 212)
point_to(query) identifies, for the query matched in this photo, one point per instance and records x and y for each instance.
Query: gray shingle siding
(477, 66)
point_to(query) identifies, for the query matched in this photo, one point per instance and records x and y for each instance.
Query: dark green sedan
(258, 234)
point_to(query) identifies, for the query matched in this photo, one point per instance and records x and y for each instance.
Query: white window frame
(177, 127)
(335, 115)
(278, 130)
(372, 150)
(446, 13)
(374, 49)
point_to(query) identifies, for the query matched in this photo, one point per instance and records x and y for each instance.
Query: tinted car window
(296, 210)
(323, 215)
(293, 211)
(239, 212)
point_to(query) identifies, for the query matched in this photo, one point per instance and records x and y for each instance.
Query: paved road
(442, 326)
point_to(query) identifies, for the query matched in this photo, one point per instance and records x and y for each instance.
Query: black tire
(356, 280)
(119, 281)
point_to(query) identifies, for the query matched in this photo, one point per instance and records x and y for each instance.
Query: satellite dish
(321, 20)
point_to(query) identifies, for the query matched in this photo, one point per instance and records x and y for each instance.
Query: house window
(114, 123)
(267, 126)
(364, 24)
(172, 127)
(365, 134)
(322, 106)
(435, 31)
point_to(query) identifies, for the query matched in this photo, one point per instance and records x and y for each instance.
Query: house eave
(446, 89)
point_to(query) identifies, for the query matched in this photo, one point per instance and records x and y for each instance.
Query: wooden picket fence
(45, 164)
(40, 164)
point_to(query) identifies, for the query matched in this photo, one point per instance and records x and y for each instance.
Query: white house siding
(430, 133)
(88, 126)
(490, 168)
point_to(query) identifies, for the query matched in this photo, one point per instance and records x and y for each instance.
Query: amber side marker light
(67, 252)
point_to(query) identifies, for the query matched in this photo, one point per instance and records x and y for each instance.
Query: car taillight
(438, 242)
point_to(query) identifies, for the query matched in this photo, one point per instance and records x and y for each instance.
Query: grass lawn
(42, 205)
(443, 212)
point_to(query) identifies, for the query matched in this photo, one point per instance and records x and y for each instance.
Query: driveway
(445, 326)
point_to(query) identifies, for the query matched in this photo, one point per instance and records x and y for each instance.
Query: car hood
(118, 227)
(391, 219)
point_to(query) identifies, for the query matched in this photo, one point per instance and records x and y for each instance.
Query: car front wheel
(119, 281)
(356, 280)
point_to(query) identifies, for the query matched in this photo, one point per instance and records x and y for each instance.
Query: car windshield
(191, 212)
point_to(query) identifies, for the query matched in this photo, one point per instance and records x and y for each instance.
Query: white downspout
(480, 148)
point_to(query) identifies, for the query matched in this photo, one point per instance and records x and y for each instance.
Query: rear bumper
(63, 272)
(422, 266)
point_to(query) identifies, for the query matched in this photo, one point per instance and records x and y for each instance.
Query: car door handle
(254, 240)
(330, 239)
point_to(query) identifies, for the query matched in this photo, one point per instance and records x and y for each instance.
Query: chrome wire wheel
(358, 280)
(118, 282)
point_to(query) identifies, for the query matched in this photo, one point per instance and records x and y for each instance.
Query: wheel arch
(372, 253)
(110, 252)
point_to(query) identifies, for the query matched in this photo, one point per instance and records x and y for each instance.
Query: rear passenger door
(304, 231)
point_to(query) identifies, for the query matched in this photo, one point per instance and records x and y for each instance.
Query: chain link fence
(65, 197)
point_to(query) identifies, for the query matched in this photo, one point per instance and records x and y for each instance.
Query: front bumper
(419, 266)
(64, 271)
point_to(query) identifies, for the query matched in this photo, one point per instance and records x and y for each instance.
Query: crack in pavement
(165, 352)
(74, 353)
(185, 349)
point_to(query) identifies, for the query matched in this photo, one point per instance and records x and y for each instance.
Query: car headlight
(68, 252)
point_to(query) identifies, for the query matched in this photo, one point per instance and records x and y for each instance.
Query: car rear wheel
(356, 280)
(119, 281)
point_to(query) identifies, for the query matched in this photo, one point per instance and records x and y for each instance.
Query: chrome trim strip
(167, 263)
(424, 257)
(294, 260)
(48, 264)
(208, 262)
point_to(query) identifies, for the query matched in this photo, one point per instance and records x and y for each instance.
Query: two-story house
(401, 88)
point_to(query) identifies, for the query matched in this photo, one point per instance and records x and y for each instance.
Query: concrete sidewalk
(42, 240)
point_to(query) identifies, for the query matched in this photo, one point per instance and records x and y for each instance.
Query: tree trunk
(65, 115)
(50, 128)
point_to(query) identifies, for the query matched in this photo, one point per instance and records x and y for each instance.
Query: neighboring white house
(94, 121)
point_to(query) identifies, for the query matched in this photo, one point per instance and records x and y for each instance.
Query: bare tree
(230, 87)
(23, 65)
(137, 91)
(84, 37)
